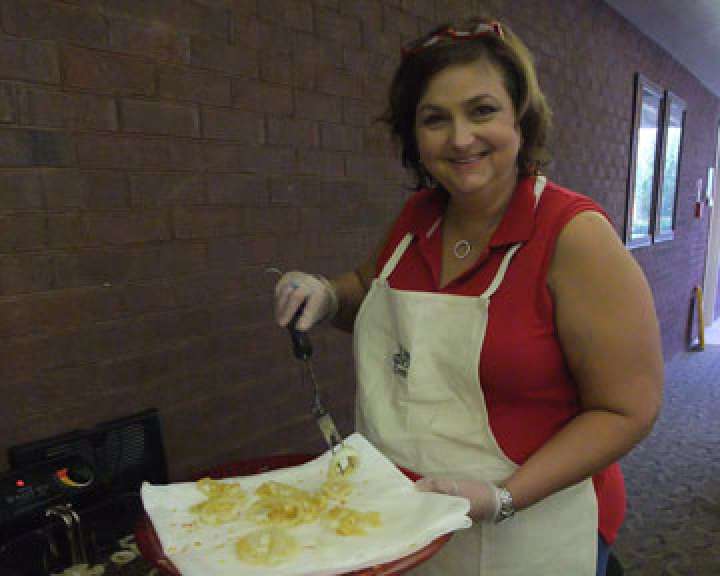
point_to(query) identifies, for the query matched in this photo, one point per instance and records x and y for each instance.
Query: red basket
(152, 551)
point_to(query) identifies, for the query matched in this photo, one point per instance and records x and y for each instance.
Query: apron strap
(495, 284)
(395, 258)
(540, 181)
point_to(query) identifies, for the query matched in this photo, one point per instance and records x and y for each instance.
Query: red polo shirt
(528, 389)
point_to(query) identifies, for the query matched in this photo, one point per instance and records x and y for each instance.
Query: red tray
(152, 551)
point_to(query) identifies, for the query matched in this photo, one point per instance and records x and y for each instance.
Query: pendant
(461, 249)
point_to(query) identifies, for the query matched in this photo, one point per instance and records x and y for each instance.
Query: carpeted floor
(673, 478)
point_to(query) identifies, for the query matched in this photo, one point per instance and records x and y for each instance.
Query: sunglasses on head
(481, 29)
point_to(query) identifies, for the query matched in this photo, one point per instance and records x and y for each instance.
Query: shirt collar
(516, 225)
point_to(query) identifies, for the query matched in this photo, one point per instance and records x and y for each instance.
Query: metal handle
(302, 348)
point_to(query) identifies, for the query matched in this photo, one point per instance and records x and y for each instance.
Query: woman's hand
(483, 496)
(316, 292)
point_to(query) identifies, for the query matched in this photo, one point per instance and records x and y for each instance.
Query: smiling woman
(530, 349)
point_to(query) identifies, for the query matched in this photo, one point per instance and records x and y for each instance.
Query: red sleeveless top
(528, 389)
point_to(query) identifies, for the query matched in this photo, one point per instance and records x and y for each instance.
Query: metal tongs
(302, 349)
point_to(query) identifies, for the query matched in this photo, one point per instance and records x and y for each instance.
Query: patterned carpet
(673, 478)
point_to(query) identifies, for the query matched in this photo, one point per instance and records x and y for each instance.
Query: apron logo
(401, 362)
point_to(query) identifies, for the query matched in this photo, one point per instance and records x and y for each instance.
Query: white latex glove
(483, 496)
(316, 292)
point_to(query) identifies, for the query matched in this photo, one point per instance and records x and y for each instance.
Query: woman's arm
(608, 331)
(351, 289)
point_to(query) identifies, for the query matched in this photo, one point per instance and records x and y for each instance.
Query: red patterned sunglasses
(482, 29)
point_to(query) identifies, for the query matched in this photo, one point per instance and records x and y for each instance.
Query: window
(654, 166)
(667, 189)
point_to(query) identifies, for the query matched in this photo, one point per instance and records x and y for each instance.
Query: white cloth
(410, 520)
(420, 402)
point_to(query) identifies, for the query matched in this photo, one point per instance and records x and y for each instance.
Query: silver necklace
(462, 248)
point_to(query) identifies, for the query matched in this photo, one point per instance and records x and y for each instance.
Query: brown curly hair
(512, 58)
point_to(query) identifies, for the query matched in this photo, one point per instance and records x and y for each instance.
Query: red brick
(69, 189)
(315, 106)
(239, 252)
(106, 190)
(58, 310)
(35, 148)
(31, 60)
(321, 163)
(67, 230)
(220, 56)
(228, 124)
(20, 232)
(8, 112)
(369, 12)
(343, 29)
(242, 7)
(384, 42)
(275, 39)
(360, 112)
(40, 107)
(108, 266)
(377, 140)
(291, 13)
(357, 61)
(207, 222)
(376, 167)
(330, 4)
(234, 158)
(26, 273)
(106, 73)
(137, 153)
(237, 189)
(21, 191)
(55, 21)
(271, 220)
(157, 189)
(127, 227)
(277, 70)
(339, 137)
(292, 132)
(262, 97)
(314, 50)
(422, 8)
(313, 191)
(405, 24)
(148, 297)
(206, 20)
(194, 85)
(245, 31)
(149, 39)
(151, 117)
(339, 83)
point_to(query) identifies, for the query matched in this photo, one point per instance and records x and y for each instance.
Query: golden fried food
(284, 505)
(223, 504)
(343, 463)
(266, 547)
(349, 522)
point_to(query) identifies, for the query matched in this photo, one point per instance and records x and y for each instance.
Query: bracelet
(506, 508)
(334, 301)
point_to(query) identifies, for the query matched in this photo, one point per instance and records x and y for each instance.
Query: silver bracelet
(506, 508)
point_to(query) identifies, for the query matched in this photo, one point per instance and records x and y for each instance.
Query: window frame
(642, 83)
(658, 234)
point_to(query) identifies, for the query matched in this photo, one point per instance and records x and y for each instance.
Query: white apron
(420, 402)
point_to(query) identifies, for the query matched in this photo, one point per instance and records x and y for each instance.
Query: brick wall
(156, 156)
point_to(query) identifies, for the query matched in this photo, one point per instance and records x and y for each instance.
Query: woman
(506, 342)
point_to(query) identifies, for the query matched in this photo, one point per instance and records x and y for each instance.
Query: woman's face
(466, 131)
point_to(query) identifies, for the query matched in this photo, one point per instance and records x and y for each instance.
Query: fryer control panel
(29, 491)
